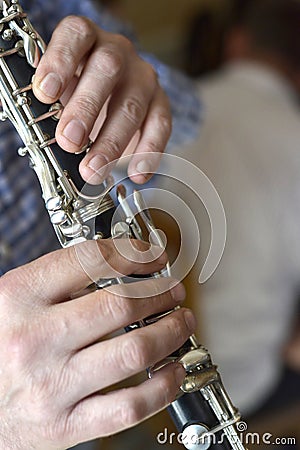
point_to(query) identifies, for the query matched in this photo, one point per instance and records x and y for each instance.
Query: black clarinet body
(202, 411)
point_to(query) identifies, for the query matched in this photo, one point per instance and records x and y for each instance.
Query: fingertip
(143, 166)
(140, 178)
(64, 143)
(179, 373)
(174, 373)
(71, 134)
(47, 88)
(177, 291)
(90, 176)
(95, 169)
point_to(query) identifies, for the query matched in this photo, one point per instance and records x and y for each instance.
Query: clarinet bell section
(204, 397)
(202, 411)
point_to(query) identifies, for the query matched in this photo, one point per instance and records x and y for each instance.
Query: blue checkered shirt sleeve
(25, 229)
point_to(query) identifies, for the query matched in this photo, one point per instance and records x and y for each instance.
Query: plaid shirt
(25, 229)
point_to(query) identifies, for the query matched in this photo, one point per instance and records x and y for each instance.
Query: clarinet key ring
(202, 412)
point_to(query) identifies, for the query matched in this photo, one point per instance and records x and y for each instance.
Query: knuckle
(165, 123)
(130, 412)
(136, 252)
(18, 280)
(78, 25)
(114, 306)
(167, 390)
(157, 291)
(87, 105)
(177, 327)
(60, 328)
(92, 259)
(109, 61)
(73, 28)
(71, 258)
(123, 307)
(163, 129)
(106, 248)
(55, 429)
(128, 308)
(86, 251)
(20, 346)
(136, 353)
(134, 110)
(63, 58)
(111, 147)
(48, 390)
(153, 146)
(43, 386)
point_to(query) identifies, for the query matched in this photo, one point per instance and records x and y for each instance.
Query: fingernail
(178, 292)
(179, 374)
(96, 163)
(190, 320)
(51, 85)
(143, 167)
(99, 166)
(75, 132)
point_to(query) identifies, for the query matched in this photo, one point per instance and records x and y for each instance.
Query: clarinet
(202, 411)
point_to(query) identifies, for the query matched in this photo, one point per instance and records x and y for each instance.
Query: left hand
(92, 69)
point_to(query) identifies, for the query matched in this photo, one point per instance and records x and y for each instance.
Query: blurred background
(167, 28)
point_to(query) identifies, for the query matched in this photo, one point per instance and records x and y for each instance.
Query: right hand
(53, 364)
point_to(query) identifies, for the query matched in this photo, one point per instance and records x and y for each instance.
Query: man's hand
(93, 68)
(55, 356)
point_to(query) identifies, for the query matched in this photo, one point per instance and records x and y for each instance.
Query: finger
(100, 313)
(126, 112)
(113, 258)
(108, 362)
(97, 81)
(102, 415)
(71, 40)
(58, 275)
(154, 137)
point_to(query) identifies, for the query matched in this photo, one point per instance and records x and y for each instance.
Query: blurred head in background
(266, 31)
(261, 30)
